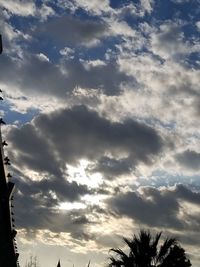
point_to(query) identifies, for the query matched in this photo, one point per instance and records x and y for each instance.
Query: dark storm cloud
(79, 132)
(159, 208)
(107, 78)
(153, 208)
(36, 204)
(65, 136)
(186, 194)
(33, 212)
(112, 167)
(73, 31)
(36, 76)
(49, 187)
(68, 135)
(189, 159)
(34, 150)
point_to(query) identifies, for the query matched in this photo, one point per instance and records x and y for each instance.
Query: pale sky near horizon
(102, 104)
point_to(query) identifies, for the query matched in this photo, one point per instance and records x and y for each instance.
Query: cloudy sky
(102, 104)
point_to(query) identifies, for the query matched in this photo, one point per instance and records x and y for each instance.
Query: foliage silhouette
(32, 262)
(144, 251)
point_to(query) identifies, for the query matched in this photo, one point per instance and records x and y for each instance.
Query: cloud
(68, 135)
(33, 150)
(95, 7)
(189, 159)
(12, 37)
(198, 25)
(70, 30)
(21, 8)
(168, 41)
(150, 207)
(60, 79)
(112, 167)
(120, 28)
(67, 52)
(158, 208)
(35, 212)
(159, 94)
(26, 8)
(188, 195)
(44, 12)
(138, 74)
(147, 5)
(37, 205)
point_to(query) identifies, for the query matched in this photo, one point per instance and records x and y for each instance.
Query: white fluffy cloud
(95, 7)
(147, 5)
(21, 8)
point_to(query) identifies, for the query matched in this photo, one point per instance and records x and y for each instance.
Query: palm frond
(154, 244)
(165, 248)
(144, 252)
(122, 258)
(119, 252)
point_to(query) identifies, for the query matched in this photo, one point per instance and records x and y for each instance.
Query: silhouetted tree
(32, 262)
(144, 251)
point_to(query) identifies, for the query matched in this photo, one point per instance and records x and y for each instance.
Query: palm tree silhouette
(145, 252)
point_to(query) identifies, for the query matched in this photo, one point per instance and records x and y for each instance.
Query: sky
(102, 104)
